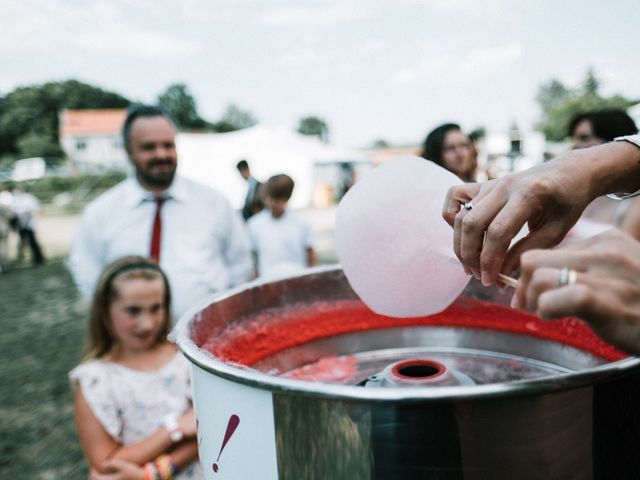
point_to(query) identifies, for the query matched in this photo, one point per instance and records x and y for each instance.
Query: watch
(635, 139)
(170, 422)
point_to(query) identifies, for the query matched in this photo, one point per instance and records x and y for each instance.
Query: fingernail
(485, 279)
(467, 270)
(514, 302)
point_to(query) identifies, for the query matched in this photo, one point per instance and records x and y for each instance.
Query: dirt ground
(55, 233)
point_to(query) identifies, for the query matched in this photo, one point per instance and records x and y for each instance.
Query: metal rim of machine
(253, 378)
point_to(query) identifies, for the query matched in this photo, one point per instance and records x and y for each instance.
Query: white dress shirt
(281, 244)
(204, 246)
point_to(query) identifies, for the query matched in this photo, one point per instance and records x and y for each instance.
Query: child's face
(138, 314)
(277, 205)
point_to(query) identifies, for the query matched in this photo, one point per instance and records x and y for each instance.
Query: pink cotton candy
(395, 248)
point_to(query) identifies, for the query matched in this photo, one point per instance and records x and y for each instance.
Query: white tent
(211, 159)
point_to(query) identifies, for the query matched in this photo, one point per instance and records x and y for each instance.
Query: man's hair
(279, 187)
(606, 124)
(242, 165)
(139, 111)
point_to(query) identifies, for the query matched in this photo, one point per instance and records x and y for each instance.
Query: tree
(380, 143)
(34, 144)
(29, 115)
(478, 133)
(560, 103)
(233, 119)
(314, 126)
(551, 94)
(591, 83)
(180, 105)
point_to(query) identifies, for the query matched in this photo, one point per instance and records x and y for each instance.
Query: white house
(92, 140)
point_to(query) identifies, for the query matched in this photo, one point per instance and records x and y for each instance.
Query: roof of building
(91, 122)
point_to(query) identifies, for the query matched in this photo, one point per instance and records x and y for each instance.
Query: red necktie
(156, 232)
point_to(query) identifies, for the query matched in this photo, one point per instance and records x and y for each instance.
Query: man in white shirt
(191, 230)
(281, 239)
(6, 213)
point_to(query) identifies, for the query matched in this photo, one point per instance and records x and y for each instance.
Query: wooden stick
(508, 281)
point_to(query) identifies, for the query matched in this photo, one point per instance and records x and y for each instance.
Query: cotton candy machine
(296, 379)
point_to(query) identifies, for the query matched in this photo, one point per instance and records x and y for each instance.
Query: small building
(383, 154)
(91, 139)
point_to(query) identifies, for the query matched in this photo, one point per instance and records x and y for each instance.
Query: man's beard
(160, 180)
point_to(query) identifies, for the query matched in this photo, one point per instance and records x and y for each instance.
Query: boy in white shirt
(281, 239)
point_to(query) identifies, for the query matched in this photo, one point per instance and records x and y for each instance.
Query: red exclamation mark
(234, 421)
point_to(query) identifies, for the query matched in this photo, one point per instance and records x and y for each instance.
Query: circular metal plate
(485, 357)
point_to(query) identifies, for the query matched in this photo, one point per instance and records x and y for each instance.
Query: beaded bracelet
(151, 472)
(165, 466)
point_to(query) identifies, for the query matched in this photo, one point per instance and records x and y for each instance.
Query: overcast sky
(389, 69)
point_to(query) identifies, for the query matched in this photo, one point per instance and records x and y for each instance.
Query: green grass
(43, 323)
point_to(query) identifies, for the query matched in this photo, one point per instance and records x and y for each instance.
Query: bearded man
(190, 230)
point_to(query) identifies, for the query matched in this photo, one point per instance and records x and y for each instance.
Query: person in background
(347, 178)
(450, 148)
(282, 240)
(25, 208)
(595, 128)
(598, 279)
(133, 408)
(6, 215)
(252, 202)
(188, 229)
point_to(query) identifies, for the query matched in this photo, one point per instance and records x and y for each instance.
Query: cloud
(454, 66)
(487, 60)
(55, 27)
(405, 76)
(615, 77)
(7, 84)
(326, 13)
(316, 55)
(486, 8)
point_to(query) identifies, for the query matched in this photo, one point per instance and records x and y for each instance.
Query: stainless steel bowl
(513, 407)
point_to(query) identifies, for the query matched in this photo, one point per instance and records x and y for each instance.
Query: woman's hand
(548, 198)
(604, 290)
(543, 198)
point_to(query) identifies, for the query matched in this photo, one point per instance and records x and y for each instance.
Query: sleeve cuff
(635, 139)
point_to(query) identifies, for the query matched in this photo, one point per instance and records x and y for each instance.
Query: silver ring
(467, 206)
(567, 277)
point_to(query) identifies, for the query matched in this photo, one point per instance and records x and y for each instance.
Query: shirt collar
(135, 194)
